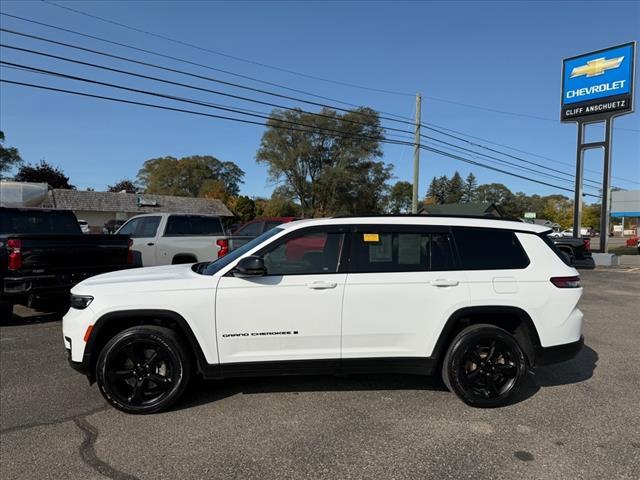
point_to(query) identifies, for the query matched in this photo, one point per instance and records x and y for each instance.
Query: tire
(143, 369)
(484, 366)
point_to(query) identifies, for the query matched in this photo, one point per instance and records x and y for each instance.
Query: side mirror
(250, 267)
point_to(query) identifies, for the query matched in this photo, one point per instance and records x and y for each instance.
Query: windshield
(219, 264)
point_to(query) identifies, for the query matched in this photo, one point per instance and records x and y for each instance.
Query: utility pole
(416, 155)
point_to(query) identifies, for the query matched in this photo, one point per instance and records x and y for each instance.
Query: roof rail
(436, 215)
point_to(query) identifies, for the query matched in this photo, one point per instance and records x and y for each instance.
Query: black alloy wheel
(143, 369)
(484, 366)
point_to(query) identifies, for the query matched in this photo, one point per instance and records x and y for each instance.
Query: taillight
(15, 255)
(130, 253)
(587, 244)
(223, 243)
(566, 282)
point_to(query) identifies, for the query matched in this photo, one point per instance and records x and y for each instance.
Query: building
(477, 209)
(97, 208)
(625, 209)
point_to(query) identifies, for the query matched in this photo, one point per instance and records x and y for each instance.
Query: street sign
(598, 83)
(530, 215)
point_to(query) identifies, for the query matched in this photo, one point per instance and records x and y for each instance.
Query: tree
(401, 197)
(494, 193)
(188, 176)
(438, 189)
(9, 157)
(455, 189)
(280, 204)
(44, 173)
(124, 184)
(469, 189)
(328, 173)
(558, 209)
(215, 189)
(244, 208)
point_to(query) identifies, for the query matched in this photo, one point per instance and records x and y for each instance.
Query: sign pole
(606, 188)
(577, 200)
(416, 156)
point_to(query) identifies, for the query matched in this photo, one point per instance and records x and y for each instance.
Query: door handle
(150, 244)
(443, 282)
(321, 285)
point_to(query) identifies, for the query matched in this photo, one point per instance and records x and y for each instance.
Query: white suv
(478, 300)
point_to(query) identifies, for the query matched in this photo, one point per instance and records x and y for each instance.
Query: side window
(402, 252)
(192, 225)
(489, 249)
(143, 227)
(305, 254)
(251, 230)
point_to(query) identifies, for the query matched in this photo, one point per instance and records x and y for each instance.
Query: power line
(174, 109)
(507, 154)
(224, 108)
(183, 99)
(524, 151)
(228, 83)
(217, 92)
(208, 67)
(226, 55)
(180, 42)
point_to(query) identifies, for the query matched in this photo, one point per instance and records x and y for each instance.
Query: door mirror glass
(250, 267)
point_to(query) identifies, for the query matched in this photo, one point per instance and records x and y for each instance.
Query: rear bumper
(558, 353)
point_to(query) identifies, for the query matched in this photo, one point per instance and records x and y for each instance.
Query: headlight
(80, 302)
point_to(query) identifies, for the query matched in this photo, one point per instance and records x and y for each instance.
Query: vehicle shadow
(201, 392)
(576, 370)
(24, 316)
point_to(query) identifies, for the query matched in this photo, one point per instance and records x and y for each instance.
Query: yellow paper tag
(371, 237)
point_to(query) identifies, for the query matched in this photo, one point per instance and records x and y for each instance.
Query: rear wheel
(143, 369)
(484, 366)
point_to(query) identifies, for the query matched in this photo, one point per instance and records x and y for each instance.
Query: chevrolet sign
(598, 83)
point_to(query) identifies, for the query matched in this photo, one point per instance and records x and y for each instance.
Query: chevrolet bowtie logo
(596, 67)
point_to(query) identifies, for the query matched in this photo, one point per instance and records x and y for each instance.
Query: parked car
(84, 226)
(173, 238)
(478, 301)
(43, 253)
(577, 251)
(256, 227)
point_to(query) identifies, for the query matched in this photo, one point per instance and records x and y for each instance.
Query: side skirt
(404, 365)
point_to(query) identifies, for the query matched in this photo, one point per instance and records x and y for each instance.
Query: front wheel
(484, 366)
(143, 369)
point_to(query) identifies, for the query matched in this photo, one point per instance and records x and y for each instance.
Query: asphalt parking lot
(580, 419)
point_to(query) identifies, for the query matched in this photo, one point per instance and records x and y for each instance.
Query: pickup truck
(174, 238)
(43, 253)
(577, 249)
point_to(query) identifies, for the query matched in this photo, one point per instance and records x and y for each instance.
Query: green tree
(469, 189)
(124, 184)
(188, 176)
(558, 209)
(244, 207)
(455, 189)
(438, 189)
(401, 197)
(328, 173)
(494, 193)
(9, 157)
(44, 173)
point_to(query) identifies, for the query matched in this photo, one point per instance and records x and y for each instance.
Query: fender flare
(106, 319)
(454, 320)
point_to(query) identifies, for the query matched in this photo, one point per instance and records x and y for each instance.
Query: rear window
(38, 222)
(401, 252)
(193, 225)
(489, 249)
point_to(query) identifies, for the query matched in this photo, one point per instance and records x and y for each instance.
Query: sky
(499, 56)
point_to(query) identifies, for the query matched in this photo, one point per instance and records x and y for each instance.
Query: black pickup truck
(43, 254)
(578, 251)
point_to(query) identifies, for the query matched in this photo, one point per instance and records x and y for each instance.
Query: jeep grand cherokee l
(478, 301)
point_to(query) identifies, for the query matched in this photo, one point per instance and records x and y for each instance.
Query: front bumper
(558, 353)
